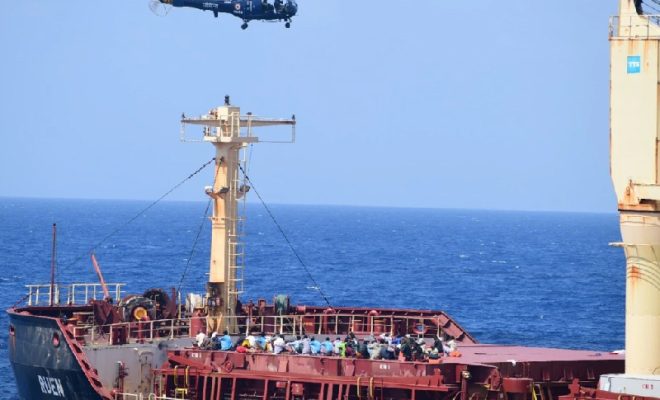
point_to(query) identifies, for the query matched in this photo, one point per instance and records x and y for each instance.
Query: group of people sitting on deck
(383, 347)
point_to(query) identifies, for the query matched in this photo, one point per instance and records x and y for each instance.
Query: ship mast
(635, 170)
(230, 133)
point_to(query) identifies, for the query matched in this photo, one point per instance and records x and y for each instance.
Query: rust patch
(634, 274)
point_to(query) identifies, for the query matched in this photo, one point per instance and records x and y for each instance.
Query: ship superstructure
(635, 170)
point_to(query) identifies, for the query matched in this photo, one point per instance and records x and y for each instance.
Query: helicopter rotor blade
(159, 8)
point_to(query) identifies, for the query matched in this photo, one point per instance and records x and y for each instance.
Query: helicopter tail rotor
(159, 7)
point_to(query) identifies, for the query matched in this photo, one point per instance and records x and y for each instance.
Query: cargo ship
(95, 341)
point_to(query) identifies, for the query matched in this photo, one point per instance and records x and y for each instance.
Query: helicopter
(247, 10)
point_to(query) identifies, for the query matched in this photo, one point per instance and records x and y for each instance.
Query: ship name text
(51, 386)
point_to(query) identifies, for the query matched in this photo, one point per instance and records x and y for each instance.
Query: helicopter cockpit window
(267, 6)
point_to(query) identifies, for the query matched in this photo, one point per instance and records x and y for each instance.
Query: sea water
(528, 278)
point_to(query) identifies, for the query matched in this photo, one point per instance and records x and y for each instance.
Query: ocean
(528, 278)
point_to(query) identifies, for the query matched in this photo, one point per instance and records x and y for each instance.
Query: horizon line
(410, 207)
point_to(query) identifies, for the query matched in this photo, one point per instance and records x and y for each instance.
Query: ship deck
(98, 338)
(497, 354)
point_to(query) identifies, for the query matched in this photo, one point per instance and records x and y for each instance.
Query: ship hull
(44, 368)
(55, 353)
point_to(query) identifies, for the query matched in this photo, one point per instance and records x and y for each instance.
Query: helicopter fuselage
(247, 10)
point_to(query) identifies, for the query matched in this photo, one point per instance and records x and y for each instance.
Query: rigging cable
(286, 238)
(144, 210)
(652, 7)
(199, 232)
(192, 251)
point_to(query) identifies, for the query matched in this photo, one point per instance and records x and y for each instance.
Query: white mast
(230, 133)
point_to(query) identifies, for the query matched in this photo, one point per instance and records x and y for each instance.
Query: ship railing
(635, 27)
(76, 293)
(343, 323)
(140, 396)
(295, 324)
(132, 332)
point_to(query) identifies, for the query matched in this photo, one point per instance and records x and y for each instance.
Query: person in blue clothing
(225, 341)
(327, 347)
(261, 341)
(315, 345)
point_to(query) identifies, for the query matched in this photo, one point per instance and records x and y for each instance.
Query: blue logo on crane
(634, 64)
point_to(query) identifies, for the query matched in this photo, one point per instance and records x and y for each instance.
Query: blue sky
(436, 103)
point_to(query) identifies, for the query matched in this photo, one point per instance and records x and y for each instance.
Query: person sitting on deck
(238, 343)
(406, 349)
(200, 338)
(418, 349)
(438, 343)
(374, 350)
(388, 352)
(363, 349)
(295, 346)
(450, 347)
(268, 343)
(341, 348)
(243, 347)
(279, 345)
(386, 338)
(305, 347)
(327, 347)
(335, 347)
(250, 341)
(315, 346)
(215, 341)
(349, 350)
(351, 340)
(434, 356)
(383, 353)
(260, 341)
(225, 341)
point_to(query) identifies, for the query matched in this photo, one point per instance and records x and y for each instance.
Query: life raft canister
(420, 328)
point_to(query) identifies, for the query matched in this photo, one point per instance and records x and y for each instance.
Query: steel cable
(652, 7)
(144, 210)
(192, 251)
(286, 238)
